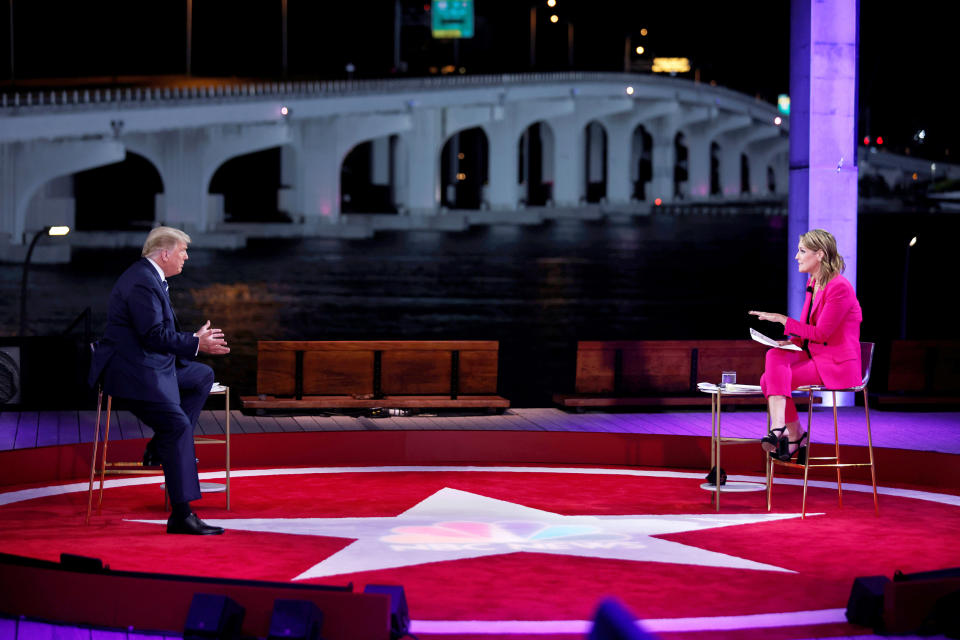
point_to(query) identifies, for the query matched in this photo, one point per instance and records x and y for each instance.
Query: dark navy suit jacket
(141, 346)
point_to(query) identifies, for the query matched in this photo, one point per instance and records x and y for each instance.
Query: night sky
(906, 55)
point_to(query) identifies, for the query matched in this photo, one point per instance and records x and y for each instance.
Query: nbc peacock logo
(517, 535)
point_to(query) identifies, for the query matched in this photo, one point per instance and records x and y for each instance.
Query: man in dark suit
(145, 359)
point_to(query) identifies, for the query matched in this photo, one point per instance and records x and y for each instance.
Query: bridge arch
(464, 169)
(368, 176)
(118, 196)
(247, 188)
(681, 166)
(744, 174)
(641, 161)
(716, 154)
(595, 161)
(535, 149)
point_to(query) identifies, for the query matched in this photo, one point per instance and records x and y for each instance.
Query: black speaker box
(865, 605)
(613, 621)
(295, 619)
(399, 614)
(213, 616)
(945, 617)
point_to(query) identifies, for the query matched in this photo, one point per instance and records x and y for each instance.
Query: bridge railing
(133, 96)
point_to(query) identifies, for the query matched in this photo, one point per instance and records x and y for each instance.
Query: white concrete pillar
(698, 166)
(735, 143)
(824, 39)
(664, 158)
(760, 155)
(569, 185)
(625, 128)
(621, 163)
(700, 137)
(183, 203)
(320, 160)
(503, 192)
(422, 143)
(663, 129)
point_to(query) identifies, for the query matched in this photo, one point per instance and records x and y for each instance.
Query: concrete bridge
(494, 147)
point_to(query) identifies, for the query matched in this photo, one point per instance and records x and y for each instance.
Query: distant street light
(640, 51)
(554, 18)
(906, 283)
(52, 231)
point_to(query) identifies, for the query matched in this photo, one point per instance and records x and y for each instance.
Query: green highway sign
(452, 18)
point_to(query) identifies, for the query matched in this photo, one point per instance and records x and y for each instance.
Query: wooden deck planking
(37, 630)
(932, 431)
(240, 423)
(47, 429)
(309, 423)
(208, 425)
(26, 430)
(125, 425)
(68, 427)
(87, 424)
(8, 430)
(270, 424)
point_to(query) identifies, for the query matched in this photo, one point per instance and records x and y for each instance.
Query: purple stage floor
(921, 431)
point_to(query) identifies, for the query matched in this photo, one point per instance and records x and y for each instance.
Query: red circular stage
(483, 549)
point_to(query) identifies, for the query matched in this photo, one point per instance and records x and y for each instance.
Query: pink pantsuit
(833, 345)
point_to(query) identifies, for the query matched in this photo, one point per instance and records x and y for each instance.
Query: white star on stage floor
(454, 525)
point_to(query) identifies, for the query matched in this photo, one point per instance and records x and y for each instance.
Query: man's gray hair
(164, 238)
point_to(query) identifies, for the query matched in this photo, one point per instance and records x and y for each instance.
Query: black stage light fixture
(295, 620)
(82, 563)
(613, 621)
(213, 617)
(399, 613)
(865, 605)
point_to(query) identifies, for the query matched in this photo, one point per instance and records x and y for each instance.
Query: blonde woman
(828, 334)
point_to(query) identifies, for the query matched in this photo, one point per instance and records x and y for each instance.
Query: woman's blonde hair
(163, 238)
(832, 263)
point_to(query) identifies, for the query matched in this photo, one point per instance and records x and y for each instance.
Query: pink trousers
(783, 372)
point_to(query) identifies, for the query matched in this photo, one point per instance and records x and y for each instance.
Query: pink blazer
(833, 333)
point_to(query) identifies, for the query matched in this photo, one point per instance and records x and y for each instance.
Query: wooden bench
(922, 372)
(659, 372)
(304, 374)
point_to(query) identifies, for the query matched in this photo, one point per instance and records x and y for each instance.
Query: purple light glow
(823, 121)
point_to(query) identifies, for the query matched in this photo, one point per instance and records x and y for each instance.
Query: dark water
(535, 289)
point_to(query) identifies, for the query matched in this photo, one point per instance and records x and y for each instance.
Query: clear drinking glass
(728, 377)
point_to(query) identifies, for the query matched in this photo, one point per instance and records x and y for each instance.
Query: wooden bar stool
(866, 354)
(137, 467)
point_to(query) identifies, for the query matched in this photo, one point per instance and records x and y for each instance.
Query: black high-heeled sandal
(712, 477)
(785, 452)
(771, 442)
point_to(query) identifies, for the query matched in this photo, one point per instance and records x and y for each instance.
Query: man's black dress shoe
(192, 525)
(151, 458)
